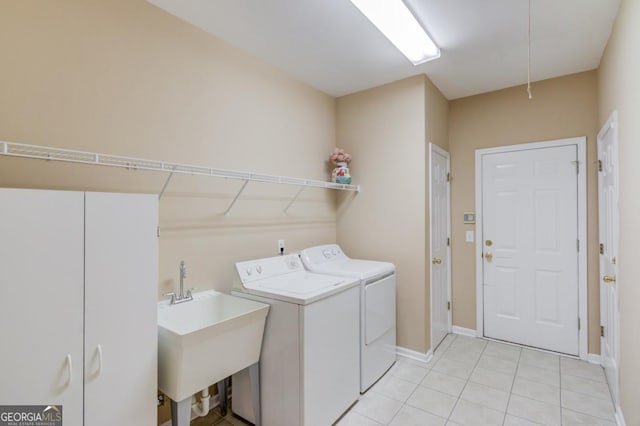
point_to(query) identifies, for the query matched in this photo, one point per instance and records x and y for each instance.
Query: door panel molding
(580, 144)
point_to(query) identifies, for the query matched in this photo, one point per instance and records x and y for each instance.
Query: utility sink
(205, 340)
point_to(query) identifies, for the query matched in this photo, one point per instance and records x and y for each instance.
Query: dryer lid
(330, 259)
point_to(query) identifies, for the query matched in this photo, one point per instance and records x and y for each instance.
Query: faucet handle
(172, 295)
(190, 290)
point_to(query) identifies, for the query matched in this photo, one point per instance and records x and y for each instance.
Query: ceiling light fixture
(402, 29)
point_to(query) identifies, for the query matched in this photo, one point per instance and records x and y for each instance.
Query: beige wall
(561, 108)
(124, 77)
(384, 129)
(618, 90)
(437, 132)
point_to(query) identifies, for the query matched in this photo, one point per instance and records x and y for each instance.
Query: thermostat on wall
(469, 217)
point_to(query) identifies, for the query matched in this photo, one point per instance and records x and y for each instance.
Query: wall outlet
(280, 246)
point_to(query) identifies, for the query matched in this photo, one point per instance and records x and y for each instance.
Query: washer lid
(282, 278)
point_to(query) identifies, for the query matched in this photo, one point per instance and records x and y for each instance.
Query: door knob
(608, 279)
(436, 261)
(489, 256)
(488, 243)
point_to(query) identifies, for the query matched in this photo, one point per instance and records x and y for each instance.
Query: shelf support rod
(166, 183)
(244, 185)
(293, 200)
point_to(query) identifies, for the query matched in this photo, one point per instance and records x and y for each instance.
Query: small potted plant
(341, 160)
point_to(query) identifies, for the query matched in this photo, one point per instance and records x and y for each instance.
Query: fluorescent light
(402, 29)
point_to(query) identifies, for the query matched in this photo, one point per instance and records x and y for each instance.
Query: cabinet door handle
(99, 360)
(69, 370)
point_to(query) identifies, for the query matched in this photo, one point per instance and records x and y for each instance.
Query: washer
(310, 359)
(377, 305)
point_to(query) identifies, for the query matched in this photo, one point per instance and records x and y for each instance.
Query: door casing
(580, 144)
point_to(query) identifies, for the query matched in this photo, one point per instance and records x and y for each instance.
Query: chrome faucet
(180, 298)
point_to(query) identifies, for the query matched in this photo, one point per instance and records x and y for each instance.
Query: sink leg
(222, 393)
(254, 378)
(181, 412)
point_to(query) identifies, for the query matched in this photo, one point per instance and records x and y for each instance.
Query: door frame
(580, 143)
(435, 148)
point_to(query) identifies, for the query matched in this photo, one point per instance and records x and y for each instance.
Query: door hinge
(601, 248)
(578, 323)
(448, 242)
(599, 165)
(448, 177)
(578, 245)
(602, 331)
(448, 306)
(158, 231)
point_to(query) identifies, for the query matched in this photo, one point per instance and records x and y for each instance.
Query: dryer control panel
(323, 254)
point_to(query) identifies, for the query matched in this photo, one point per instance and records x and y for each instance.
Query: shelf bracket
(166, 183)
(293, 200)
(244, 185)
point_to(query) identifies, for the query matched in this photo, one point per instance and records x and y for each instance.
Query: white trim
(464, 331)
(620, 417)
(214, 401)
(414, 355)
(435, 148)
(580, 143)
(594, 359)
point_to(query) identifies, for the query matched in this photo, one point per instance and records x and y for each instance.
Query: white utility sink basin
(202, 341)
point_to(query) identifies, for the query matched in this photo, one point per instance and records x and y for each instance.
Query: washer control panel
(259, 269)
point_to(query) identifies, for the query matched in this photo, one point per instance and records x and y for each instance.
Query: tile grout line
(513, 382)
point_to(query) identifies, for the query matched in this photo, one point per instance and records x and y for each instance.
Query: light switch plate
(469, 217)
(468, 236)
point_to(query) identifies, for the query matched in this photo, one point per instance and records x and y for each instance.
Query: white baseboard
(619, 417)
(464, 331)
(594, 359)
(214, 401)
(414, 355)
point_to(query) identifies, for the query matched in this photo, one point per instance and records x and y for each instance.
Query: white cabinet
(78, 291)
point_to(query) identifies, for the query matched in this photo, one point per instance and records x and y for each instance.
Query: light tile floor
(475, 382)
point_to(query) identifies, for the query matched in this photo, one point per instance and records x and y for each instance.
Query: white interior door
(439, 202)
(530, 247)
(41, 302)
(609, 233)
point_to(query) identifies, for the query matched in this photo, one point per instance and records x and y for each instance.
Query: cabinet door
(121, 309)
(41, 299)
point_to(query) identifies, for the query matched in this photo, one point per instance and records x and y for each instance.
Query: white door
(439, 244)
(609, 233)
(530, 247)
(121, 309)
(41, 299)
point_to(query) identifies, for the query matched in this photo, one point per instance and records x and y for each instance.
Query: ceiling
(331, 46)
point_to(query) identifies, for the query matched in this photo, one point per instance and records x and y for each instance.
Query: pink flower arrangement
(339, 156)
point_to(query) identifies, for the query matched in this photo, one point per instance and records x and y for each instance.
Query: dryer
(309, 364)
(377, 305)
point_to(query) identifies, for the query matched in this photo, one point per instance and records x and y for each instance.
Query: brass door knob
(436, 261)
(489, 256)
(608, 279)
